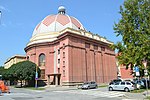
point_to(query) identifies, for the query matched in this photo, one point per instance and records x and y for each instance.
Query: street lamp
(36, 77)
(145, 72)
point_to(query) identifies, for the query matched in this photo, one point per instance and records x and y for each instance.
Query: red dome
(56, 23)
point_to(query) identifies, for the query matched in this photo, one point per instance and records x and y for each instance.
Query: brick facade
(73, 58)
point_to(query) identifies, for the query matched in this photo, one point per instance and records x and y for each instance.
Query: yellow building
(13, 60)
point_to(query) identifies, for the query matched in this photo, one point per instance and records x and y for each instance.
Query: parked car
(115, 81)
(89, 85)
(148, 83)
(124, 85)
(140, 82)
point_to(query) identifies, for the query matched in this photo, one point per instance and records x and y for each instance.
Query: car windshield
(117, 80)
(117, 83)
(86, 83)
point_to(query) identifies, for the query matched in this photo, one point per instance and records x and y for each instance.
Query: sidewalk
(59, 88)
(137, 96)
(128, 95)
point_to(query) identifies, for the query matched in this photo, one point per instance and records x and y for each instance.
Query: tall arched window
(42, 59)
(27, 57)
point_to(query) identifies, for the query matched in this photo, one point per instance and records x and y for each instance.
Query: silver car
(126, 86)
(89, 85)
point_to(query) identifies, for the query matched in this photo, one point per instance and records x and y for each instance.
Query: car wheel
(110, 89)
(126, 89)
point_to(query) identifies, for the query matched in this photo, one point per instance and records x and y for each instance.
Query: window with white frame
(42, 59)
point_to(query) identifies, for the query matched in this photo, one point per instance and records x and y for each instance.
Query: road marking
(108, 94)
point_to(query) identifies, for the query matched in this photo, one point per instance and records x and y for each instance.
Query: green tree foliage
(2, 71)
(134, 28)
(22, 71)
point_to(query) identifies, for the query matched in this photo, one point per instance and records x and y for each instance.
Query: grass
(138, 91)
(33, 88)
(102, 86)
(147, 98)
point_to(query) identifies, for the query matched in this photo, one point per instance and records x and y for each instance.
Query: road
(64, 94)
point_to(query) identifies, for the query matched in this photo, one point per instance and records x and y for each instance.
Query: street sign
(36, 75)
(137, 74)
(145, 72)
(136, 69)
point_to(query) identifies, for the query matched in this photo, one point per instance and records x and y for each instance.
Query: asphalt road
(60, 93)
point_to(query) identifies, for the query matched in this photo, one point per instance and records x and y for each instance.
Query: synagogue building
(68, 54)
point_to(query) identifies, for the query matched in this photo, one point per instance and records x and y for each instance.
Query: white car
(89, 85)
(126, 86)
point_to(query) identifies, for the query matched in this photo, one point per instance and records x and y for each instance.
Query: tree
(134, 28)
(2, 72)
(22, 71)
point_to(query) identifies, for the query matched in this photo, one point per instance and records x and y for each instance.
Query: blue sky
(19, 18)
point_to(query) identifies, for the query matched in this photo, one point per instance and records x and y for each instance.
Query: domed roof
(58, 22)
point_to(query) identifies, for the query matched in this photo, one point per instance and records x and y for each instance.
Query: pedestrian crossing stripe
(108, 94)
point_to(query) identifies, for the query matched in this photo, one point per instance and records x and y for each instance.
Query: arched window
(27, 57)
(42, 60)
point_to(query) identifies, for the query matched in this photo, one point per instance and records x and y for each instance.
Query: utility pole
(146, 74)
(36, 77)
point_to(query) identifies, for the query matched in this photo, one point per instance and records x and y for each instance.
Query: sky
(20, 17)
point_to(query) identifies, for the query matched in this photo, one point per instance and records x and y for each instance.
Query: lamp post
(145, 72)
(36, 77)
